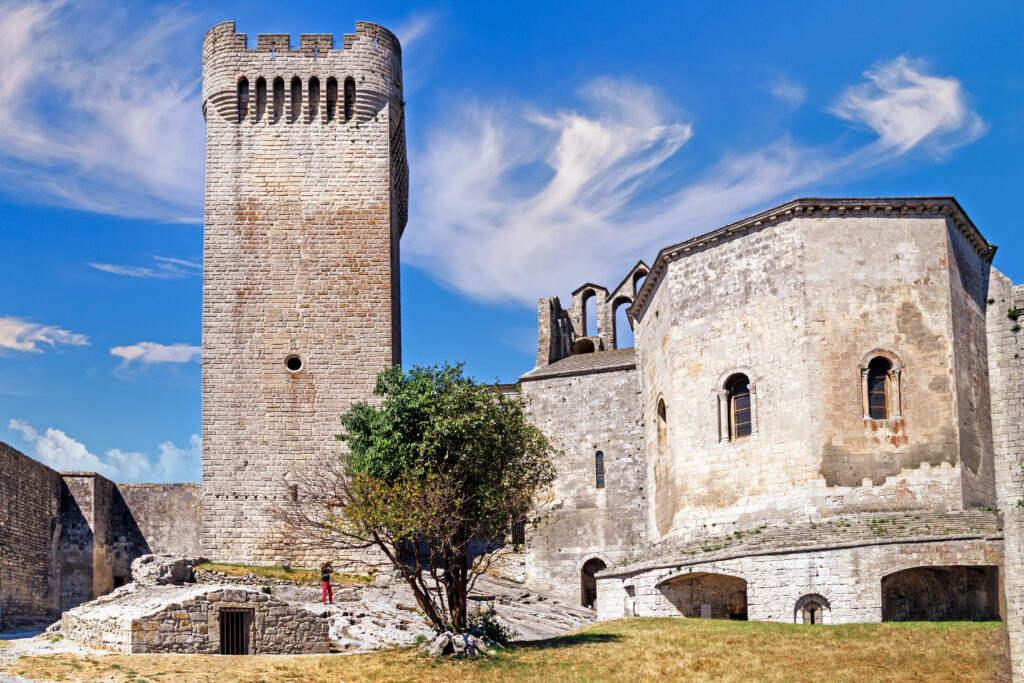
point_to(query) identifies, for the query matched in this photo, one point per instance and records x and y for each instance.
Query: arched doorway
(710, 596)
(588, 584)
(954, 593)
(811, 609)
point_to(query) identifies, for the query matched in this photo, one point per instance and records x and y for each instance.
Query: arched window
(314, 98)
(296, 110)
(583, 346)
(811, 609)
(662, 429)
(878, 388)
(332, 98)
(278, 99)
(243, 99)
(599, 469)
(638, 280)
(261, 99)
(740, 418)
(623, 325)
(350, 98)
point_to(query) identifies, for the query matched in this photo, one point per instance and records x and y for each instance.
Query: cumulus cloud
(22, 335)
(56, 449)
(151, 352)
(908, 108)
(101, 110)
(165, 269)
(515, 204)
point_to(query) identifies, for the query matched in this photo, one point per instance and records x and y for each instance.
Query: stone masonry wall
(155, 518)
(1006, 375)
(86, 550)
(583, 414)
(799, 307)
(850, 579)
(302, 224)
(29, 526)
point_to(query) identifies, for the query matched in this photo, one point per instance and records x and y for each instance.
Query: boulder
(459, 644)
(162, 570)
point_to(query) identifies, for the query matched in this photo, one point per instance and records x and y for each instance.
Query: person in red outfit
(325, 581)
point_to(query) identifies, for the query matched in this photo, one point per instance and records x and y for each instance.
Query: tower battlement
(223, 38)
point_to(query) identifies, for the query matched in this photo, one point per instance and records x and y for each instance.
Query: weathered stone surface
(160, 570)
(303, 218)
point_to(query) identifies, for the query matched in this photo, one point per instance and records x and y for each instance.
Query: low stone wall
(847, 580)
(187, 619)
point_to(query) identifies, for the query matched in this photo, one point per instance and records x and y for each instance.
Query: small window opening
(519, 532)
(293, 490)
(583, 346)
(243, 99)
(811, 613)
(314, 98)
(120, 581)
(590, 314)
(350, 98)
(878, 389)
(235, 626)
(293, 363)
(662, 429)
(599, 469)
(278, 99)
(261, 99)
(740, 424)
(332, 98)
(638, 280)
(296, 111)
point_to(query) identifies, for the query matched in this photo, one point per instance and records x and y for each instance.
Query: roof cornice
(807, 207)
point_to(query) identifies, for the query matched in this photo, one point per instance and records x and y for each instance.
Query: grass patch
(623, 650)
(301, 577)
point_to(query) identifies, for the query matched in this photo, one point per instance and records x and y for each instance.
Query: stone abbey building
(821, 419)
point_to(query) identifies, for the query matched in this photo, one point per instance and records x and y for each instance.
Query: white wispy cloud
(908, 108)
(790, 92)
(101, 109)
(165, 269)
(513, 204)
(151, 352)
(21, 335)
(56, 449)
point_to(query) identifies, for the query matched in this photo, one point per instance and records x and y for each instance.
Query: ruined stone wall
(799, 306)
(155, 518)
(1006, 376)
(582, 414)
(300, 259)
(86, 547)
(29, 526)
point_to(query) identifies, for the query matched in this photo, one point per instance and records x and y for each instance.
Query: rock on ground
(161, 570)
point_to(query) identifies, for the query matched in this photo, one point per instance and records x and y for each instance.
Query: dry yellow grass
(301, 577)
(627, 650)
(5, 643)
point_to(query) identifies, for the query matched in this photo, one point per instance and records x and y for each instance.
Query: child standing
(325, 581)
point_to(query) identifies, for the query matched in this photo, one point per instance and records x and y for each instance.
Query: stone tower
(306, 198)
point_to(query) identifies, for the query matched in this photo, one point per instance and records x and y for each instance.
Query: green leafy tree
(436, 476)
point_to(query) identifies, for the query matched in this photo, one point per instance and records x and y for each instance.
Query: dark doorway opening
(235, 627)
(955, 593)
(588, 582)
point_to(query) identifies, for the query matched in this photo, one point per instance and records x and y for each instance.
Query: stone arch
(261, 99)
(586, 296)
(584, 345)
(639, 275)
(616, 303)
(941, 593)
(893, 381)
(296, 100)
(588, 582)
(332, 99)
(243, 98)
(707, 594)
(812, 608)
(721, 391)
(278, 100)
(350, 98)
(314, 98)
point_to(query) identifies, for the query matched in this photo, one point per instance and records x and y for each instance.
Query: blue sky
(549, 144)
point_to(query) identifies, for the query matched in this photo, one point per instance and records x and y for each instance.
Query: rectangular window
(876, 396)
(599, 469)
(741, 415)
(519, 532)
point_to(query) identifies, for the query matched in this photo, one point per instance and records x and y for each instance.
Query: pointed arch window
(599, 469)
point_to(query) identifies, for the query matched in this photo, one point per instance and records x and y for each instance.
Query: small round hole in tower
(294, 363)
